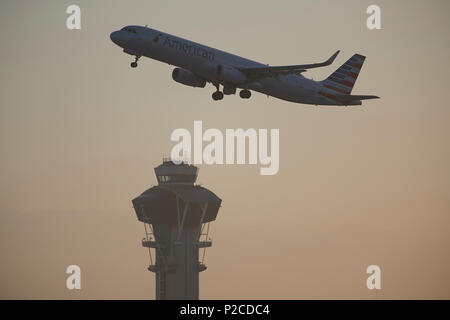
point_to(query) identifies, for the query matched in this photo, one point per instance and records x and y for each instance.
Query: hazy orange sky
(81, 133)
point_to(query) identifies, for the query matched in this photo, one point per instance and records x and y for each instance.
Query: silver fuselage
(201, 59)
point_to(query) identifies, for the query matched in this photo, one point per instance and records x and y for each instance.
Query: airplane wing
(264, 72)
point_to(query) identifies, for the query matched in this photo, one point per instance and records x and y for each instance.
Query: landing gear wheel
(217, 95)
(245, 94)
(134, 64)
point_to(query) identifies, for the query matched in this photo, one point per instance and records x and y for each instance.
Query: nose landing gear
(134, 63)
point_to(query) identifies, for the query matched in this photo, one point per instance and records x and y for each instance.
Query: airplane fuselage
(204, 61)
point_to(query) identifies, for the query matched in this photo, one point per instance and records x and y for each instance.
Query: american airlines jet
(198, 64)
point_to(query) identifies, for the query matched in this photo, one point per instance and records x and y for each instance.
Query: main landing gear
(134, 64)
(245, 94)
(217, 95)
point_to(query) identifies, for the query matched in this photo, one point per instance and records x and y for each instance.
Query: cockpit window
(129, 30)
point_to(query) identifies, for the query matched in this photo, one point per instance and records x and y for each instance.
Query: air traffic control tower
(176, 215)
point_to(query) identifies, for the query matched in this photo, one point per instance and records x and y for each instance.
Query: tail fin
(343, 79)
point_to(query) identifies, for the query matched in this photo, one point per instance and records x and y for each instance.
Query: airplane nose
(114, 36)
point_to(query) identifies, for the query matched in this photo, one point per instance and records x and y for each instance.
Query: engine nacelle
(188, 78)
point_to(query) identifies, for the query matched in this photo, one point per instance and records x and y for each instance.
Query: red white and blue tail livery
(338, 86)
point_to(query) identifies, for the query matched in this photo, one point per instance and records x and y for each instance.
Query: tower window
(177, 178)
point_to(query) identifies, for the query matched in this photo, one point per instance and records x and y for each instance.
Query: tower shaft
(177, 265)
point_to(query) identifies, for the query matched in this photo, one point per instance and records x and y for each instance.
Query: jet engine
(187, 78)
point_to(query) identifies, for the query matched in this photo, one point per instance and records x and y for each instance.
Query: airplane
(197, 64)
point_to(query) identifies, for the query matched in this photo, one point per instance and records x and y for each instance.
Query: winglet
(321, 64)
(330, 61)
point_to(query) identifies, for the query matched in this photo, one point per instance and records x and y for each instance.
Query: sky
(80, 134)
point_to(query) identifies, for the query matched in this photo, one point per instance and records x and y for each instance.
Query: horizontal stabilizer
(350, 97)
